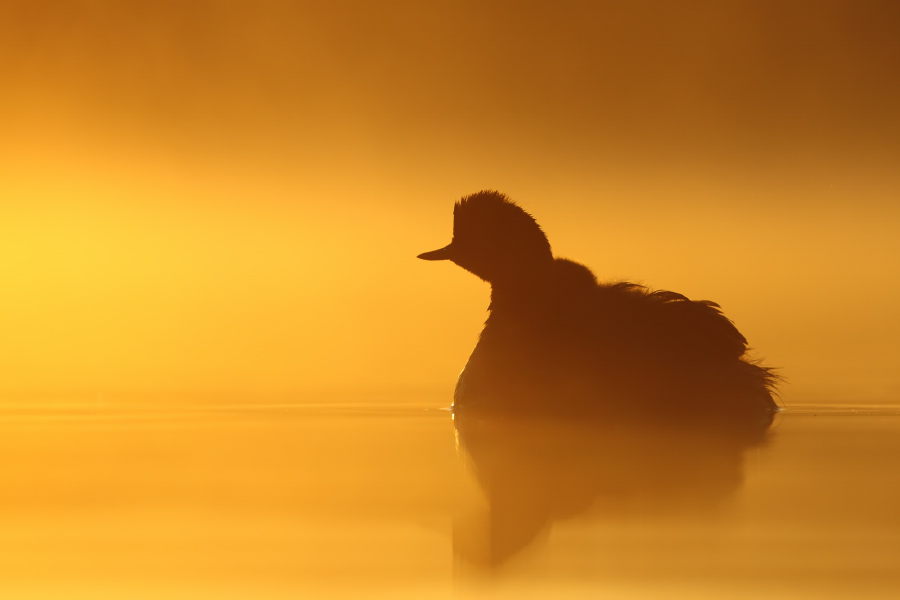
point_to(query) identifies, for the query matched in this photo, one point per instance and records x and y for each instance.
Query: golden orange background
(228, 197)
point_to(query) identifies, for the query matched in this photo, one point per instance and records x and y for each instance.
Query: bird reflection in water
(537, 471)
(581, 393)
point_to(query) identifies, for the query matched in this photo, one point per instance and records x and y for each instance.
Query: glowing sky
(229, 196)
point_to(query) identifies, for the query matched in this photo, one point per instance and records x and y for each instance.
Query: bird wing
(698, 326)
(669, 323)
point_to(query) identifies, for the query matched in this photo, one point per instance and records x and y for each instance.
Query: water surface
(377, 497)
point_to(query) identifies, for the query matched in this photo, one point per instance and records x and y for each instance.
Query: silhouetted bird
(558, 342)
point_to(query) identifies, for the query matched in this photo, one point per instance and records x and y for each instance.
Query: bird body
(558, 341)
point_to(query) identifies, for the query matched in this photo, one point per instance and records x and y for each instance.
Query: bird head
(494, 239)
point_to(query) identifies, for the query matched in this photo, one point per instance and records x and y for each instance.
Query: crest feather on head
(489, 214)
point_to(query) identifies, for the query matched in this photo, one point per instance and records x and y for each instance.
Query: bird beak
(445, 253)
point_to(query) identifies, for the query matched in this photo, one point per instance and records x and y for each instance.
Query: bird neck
(519, 293)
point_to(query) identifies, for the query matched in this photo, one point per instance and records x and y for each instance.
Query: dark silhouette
(558, 343)
(584, 396)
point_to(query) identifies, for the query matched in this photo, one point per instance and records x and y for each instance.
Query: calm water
(381, 498)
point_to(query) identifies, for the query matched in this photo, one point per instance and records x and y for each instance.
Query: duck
(558, 341)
